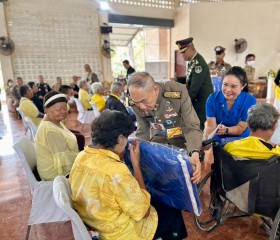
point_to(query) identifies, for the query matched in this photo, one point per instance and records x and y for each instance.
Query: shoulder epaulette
(175, 95)
(130, 102)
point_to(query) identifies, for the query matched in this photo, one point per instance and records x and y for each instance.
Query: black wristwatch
(192, 151)
(200, 153)
(227, 129)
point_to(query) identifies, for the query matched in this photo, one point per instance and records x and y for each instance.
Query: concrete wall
(55, 38)
(213, 24)
(180, 31)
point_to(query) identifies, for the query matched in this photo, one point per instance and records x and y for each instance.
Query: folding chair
(85, 117)
(26, 127)
(62, 197)
(43, 209)
(33, 128)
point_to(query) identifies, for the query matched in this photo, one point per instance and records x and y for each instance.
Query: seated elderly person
(56, 146)
(97, 97)
(84, 97)
(228, 108)
(262, 121)
(28, 107)
(114, 103)
(108, 197)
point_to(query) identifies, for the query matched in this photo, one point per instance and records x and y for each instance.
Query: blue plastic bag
(167, 173)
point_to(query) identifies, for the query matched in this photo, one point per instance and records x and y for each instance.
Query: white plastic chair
(43, 209)
(26, 127)
(33, 128)
(85, 117)
(62, 197)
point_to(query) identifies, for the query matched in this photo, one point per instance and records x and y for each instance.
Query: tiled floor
(15, 198)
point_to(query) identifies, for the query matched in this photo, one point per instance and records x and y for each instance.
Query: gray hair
(96, 86)
(262, 116)
(115, 86)
(141, 80)
(82, 83)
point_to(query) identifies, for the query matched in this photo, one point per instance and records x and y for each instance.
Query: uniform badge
(198, 69)
(169, 122)
(131, 103)
(174, 132)
(170, 115)
(174, 95)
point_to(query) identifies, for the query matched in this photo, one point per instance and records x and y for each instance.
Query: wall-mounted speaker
(106, 29)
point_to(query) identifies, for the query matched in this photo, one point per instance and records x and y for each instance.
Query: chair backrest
(80, 107)
(62, 198)
(95, 109)
(27, 154)
(33, 128)
(23, 118)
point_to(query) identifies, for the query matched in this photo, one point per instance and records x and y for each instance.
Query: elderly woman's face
(232, 87)
(57, 112)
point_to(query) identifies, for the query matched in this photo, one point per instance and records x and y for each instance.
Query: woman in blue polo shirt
(226, 110)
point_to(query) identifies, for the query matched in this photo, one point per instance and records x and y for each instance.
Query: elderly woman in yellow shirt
(56, 146)
(108, 197)
(28, 107)
(97, 97)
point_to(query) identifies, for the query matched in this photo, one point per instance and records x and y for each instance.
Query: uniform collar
(193, 57)
(114, 95)
(236, 104)
(159, 98)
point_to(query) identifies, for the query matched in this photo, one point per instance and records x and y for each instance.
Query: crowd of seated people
(232, 112)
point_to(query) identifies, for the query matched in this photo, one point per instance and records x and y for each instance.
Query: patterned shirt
(109, 199)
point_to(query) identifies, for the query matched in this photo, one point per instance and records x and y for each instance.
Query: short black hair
(31, 84)
(126, 62)
(64, 88)
(250, 55)
(23, 90)
(109, 126)
(239, 73)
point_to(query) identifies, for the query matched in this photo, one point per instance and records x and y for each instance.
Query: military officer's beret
(183, 44)
(219, 49)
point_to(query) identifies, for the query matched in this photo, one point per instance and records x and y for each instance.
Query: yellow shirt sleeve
(99, 101)
(85, 99)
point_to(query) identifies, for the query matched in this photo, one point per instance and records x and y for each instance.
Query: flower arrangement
(271, 73)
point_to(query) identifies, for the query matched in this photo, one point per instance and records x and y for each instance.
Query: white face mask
(251, 63)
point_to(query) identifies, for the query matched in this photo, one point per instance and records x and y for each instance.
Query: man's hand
(195, 162)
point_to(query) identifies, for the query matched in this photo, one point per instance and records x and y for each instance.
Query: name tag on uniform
(174, 132)
(158, 128)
